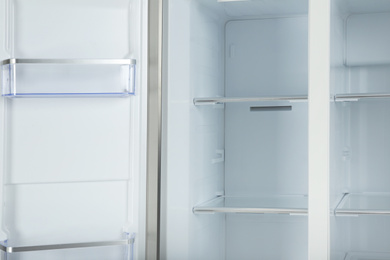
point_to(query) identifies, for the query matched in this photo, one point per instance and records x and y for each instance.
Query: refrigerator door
(71, 129)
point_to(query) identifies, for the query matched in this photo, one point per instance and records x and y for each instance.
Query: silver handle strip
(250, 210)
(9, 249)
(213, 101)
(70, 61)
(346, 97)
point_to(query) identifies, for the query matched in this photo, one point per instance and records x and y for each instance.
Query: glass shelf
(367, 256)
(68, 77)
(359, 96)
(222, 100)
(364, 204)
(293, 204)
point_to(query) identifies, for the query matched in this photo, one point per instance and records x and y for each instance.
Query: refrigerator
(194, 129)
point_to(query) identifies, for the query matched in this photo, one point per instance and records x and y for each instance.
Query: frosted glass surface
(242, 204)
(366, 202)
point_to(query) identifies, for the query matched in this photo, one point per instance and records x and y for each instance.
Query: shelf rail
(70, 61)
(336, 98)
(357, 97)
(18, 249)
(276, 205)
(222, 100)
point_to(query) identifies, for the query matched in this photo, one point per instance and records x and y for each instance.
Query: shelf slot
(293, 205)
(223, 100)
(18, 249)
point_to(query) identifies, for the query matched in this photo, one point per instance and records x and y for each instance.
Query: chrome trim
(70, 61)
(361, 212)
(153, 159)
(355, 97)
(18, 249)
(250, 210)
(221, 100)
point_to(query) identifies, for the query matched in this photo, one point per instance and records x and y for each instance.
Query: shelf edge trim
(18, 249)
(70, 61)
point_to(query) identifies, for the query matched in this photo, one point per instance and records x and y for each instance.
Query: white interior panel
(72, 29)
(266, 57)
(36, 214)
(370, 146)
(367, 39)
(261, 156)
(270, 237)
(66, 139)
(194, 136)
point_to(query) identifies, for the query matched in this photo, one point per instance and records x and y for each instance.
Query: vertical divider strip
(319, 128)
(153, 159)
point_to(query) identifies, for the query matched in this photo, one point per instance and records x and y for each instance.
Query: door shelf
(364, 204)
(223, 100)
(18, 249)
(68, 77)
(293, 205)
(367, 256)
(124, 249)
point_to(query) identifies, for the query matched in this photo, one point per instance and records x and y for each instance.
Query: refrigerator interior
(235, 129)
(71, 111)
(360, 77)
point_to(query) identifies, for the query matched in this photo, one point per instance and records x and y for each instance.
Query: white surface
(367, 256)
(65, 213)
(367, 39)
(339, 141)
(276, 237)
(193, 135)
(319, 128)
(265, 151)
(266, 57)
(264, 8)
(67, 140)
(73, 29)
